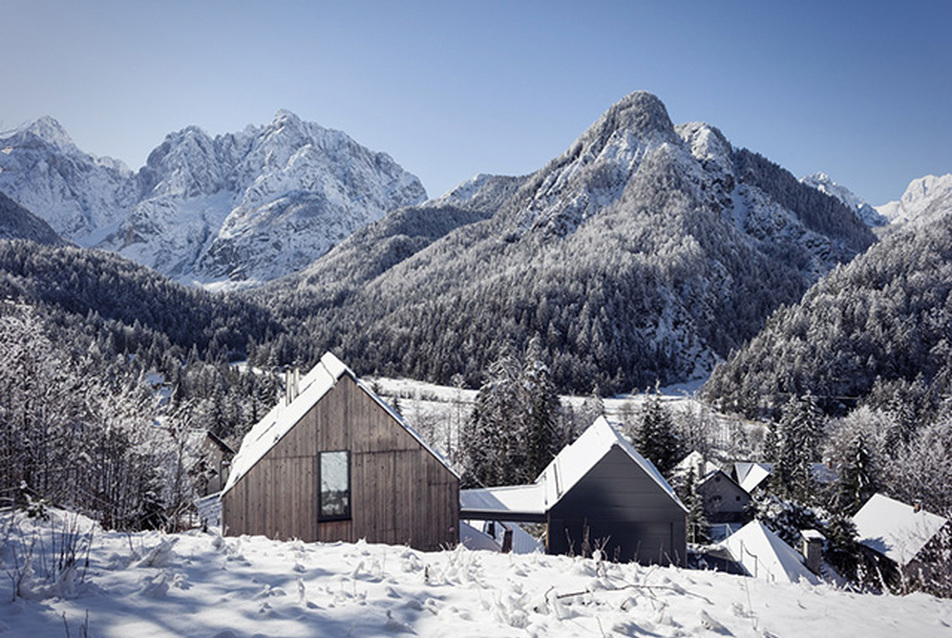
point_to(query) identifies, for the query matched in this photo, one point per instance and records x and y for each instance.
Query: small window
(335, 485)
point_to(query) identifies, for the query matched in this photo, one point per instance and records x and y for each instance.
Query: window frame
(321, 516)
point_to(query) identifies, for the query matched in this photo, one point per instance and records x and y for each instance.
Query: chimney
(287, 387)
(812, 550)
(297, 381)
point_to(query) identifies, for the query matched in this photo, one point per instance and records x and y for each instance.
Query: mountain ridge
(627, 253)
(230, 210)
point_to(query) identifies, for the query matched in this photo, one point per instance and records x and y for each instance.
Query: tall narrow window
(335, 485)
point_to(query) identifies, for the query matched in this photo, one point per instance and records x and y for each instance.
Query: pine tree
(655, 436)
(799, 433)
(540, 406)
(857, 480)
(698, 529)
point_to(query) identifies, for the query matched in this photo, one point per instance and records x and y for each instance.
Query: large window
(335, 485)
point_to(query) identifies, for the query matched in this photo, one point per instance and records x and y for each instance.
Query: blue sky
(450, 89)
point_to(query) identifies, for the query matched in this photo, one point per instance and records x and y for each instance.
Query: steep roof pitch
(279, 421)
(563, 473)
(894, 529)
(764, 555)
(751, 475)
(575, 461)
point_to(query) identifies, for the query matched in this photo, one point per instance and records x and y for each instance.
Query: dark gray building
(599, 492)
(723, 500)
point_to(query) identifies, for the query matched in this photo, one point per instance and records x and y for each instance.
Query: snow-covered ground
(200, 584)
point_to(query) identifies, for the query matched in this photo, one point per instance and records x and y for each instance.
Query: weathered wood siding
(400, 492)
(619, 504)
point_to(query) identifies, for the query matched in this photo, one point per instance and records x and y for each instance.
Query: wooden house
(597, 493)
(333, 462)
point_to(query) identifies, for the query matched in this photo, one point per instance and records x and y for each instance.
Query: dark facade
(623, 511)
(598, 493)
(724, 501)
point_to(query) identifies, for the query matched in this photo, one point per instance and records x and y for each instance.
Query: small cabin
(333, 462)
(597, 493)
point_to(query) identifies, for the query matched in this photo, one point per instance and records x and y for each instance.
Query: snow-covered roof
(562, 474)
(526, 499)
(751, 475)
(764, 555)
(284, 416)
(695, 462)
(895, 529)
(575, 461)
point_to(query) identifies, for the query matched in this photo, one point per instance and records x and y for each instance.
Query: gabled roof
(894, 529)
(562, 474)
(279, 421)
(764, 555)
(751, 475)
(575, 461)
(696, 463)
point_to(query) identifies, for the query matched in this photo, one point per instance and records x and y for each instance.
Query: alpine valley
(645, 253)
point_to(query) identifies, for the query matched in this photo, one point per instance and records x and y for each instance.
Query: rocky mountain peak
(51, 131)
(640, 112)
(924, 198)
(825, 184)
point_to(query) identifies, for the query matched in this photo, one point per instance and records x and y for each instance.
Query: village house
(211, 462)
(597, 493)
(726, 505)
(333, 462)
(918, 542)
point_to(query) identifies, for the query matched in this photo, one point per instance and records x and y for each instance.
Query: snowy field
(200, 584)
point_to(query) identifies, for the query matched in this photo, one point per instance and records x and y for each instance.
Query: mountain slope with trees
(17, 222)
(876, 329)
(643, 253)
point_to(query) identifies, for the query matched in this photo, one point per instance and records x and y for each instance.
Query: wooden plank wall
(400, 492)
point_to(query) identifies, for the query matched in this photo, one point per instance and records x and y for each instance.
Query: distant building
(722, 499)
(598, 492)
(918, 542)
(212, 461)
(333, 462)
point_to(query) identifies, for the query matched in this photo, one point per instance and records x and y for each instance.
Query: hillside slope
(644, 252)
(884, 318)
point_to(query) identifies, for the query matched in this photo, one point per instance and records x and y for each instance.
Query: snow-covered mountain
(925, 199)
(17, 222)
(230, 210)
(645, 251)
(822, 182)
(75, 192)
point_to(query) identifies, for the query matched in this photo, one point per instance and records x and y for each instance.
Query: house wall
(724, 501)
(619, 502)
(400, 492)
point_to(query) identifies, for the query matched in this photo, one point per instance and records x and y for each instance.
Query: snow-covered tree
(795, 446)
(654, 435)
